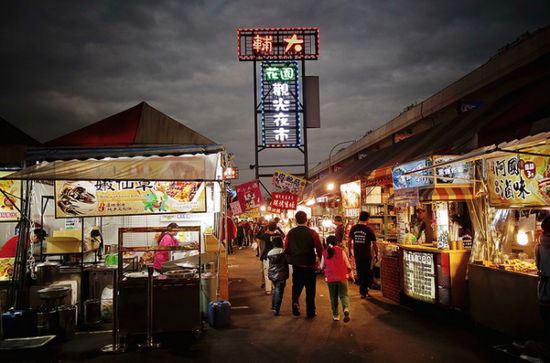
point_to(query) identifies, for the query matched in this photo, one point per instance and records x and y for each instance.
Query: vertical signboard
(351, 198)
(280, 96)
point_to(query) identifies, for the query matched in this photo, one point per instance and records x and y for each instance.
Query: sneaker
(296, 309)
(268, 292)
(336, 318)
(275, 312)
(363, 296)
(346, 316)
(263, 286)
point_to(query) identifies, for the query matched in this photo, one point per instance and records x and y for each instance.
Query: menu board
(10, 202)
(419, 275)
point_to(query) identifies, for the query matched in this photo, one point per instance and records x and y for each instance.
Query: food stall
(503, 276)
(115, 192)
(431, 261)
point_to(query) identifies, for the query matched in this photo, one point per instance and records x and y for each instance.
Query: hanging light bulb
(522, 238)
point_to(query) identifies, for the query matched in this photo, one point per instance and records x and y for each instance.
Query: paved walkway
(379, 331)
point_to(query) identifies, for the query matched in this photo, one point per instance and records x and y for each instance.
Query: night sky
(68, 64)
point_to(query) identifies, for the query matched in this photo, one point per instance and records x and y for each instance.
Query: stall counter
(505, 301)
(434, 276)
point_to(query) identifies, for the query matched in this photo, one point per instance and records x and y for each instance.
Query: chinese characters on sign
(351, 198)
(236, 208)
(278, 43)
(10, 202)
(288, 183)
(280, 95)
(249, 195)
(520, 180)
(419, 275)
(403, 180)
(457, 173)
(231, 173)
(112, 198)
(284, 201)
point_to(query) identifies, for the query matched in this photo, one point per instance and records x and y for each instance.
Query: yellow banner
(520, 180)
(111, 198)
(10, 204)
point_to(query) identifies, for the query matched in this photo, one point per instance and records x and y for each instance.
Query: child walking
(278, 272)
(337, 267)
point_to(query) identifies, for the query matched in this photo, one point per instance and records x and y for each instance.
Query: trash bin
(208, 291)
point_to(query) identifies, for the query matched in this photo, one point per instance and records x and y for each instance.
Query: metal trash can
(67, 315)
(46, 322)
(208, 291)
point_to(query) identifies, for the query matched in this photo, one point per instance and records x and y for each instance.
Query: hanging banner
(407, 197)
(273, 210)
(284, 201)
(249, 195)
(351, 198)
(403, 180)
(10, 204)
(115, 198)
(453, 173)
(519, 180)
(288, 183)
(236, 208)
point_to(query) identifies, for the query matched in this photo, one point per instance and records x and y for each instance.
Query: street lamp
(330, 154)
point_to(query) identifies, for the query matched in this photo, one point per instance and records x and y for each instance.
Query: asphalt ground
(380, 330)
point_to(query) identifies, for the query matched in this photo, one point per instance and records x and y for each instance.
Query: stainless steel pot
(46, 273)
(180, 274)
(92, 311)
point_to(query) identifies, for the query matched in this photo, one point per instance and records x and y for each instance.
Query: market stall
(106, 194)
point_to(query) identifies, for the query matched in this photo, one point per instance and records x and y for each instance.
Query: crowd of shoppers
(299, 254)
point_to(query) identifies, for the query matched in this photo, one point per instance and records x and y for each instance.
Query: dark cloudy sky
(67, 64)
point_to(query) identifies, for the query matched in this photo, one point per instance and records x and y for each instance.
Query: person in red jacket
(231, 231)
(10, 247)
(337, 267)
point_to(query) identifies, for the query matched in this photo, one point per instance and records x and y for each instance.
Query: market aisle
(379, 331)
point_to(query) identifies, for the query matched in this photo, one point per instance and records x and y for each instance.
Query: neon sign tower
(282, 111)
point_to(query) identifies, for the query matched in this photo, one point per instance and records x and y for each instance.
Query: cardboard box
(63, 245)
(75, 233)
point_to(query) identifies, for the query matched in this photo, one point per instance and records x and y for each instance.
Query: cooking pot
(46, 273)
(179, 274)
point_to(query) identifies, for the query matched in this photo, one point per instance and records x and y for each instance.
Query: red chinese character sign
(284, 201)
(278, 43)
(249, 195)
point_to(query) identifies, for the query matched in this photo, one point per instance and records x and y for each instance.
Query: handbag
(146, 258)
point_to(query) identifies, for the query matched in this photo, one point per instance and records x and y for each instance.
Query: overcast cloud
(67, 64)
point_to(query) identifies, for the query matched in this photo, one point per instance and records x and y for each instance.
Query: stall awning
(198, 167)
(445, 193)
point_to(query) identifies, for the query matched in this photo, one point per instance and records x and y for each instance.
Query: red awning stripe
(445, 193)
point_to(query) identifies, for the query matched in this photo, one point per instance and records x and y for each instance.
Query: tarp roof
(138, 125)
(451, 137)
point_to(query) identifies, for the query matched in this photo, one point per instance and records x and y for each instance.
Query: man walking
(302, 243)
(363, 237)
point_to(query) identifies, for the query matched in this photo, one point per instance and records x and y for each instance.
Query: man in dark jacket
(302, 243)
(265, 246)
(362, 236)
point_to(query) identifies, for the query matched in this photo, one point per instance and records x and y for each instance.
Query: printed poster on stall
(403, 180)
(115, 198)
(249, 195)
(520, 180)
(288, 183)
(236, 208)
(10, 205)
(284, 201)
(351, 198)
(458, 173)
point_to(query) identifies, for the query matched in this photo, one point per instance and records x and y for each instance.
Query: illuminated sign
(278, 43)
(351, 198)
(403, 179)
(419, 275)
(231, 173)
(520, 180)
(280, 95)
